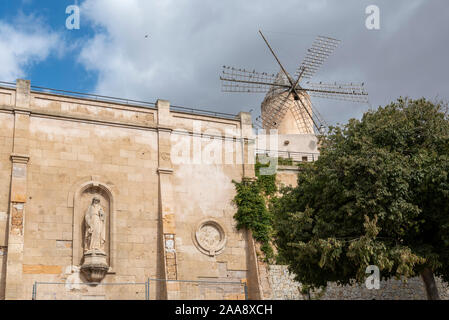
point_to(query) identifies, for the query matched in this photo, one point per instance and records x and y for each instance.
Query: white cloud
(189, 41)
(21, 47)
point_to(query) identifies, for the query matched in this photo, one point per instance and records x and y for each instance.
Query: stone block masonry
(58, 153)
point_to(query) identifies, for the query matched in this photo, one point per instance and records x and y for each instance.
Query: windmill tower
(295, 121)
(287, 106)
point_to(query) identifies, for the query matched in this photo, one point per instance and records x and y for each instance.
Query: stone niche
(94, 262)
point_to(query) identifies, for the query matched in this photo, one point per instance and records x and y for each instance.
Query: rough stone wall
(287, 176)
(284, 287)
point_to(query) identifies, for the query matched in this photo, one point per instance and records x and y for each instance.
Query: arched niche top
(93, 184)
(86, 182)
(81, 200)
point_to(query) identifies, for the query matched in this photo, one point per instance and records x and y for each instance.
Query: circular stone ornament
(210, 237)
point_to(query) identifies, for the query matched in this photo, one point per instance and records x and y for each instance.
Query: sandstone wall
(66, 154)
(202, 195)
(287, 176)
(67, 150)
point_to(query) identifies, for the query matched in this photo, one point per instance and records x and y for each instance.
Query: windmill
(287, 96)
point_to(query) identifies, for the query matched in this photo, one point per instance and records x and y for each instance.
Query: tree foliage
(378, 195)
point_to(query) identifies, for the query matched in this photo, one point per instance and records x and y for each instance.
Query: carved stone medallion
(210, 237)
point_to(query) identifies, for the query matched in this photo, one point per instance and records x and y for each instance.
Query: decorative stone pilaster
(23, 94)
(18, 191)
(170, 257)
(16, 227)
(247, 144)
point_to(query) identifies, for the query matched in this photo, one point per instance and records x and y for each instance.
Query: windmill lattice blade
(241, 80)
(314, 116)
(319, 118)
(344, 91)
(258, 123)
(275, 110)
(321, 49)
(302, 117)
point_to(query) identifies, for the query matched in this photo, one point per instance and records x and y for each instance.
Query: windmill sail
(241, 80)
(287, 105)
(321, 49)
(338, 91)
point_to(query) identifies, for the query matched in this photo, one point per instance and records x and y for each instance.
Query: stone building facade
(116, 193)
(162, 219)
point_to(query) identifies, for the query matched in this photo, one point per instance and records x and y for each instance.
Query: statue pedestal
(95, 266)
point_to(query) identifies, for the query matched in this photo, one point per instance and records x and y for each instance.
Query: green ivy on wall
(251, 200)
(266, 182)
(285, 161)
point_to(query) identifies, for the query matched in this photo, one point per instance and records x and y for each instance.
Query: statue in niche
(95, 236)
(95, 263)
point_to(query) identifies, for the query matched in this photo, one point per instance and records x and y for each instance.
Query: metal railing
(293, 155)
(8, 85)
(184, 289)
(130, 102)
(95, 97)
(205, 112)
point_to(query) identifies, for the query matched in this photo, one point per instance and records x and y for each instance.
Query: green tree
(378, 195)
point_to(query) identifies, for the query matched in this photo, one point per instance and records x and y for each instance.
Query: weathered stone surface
(41, 269)
(17, 219)
(74, 142)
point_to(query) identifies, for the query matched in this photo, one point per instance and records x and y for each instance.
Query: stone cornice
(20, 158)
(164, 129)
(21, 111)
(88, 120)
(164, 171)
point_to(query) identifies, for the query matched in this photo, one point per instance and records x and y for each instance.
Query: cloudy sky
(189, 40)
